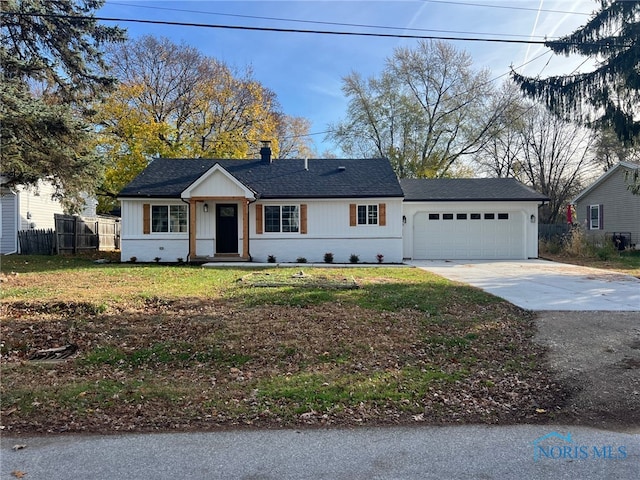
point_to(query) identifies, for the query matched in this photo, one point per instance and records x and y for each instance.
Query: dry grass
(207, 351)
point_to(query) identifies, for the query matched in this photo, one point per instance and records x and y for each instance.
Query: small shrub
(575, 243)
(380, 258)
(354, 258)
(133, 259)
(157, 259)
(180, 260)
(606, 251)
(551, 246)
(301, 260)
(328, 257)
(271, 259)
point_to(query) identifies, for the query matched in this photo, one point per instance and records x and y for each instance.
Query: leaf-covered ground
(206, 363)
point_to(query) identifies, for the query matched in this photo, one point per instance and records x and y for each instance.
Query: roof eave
(539, 199)
(602, 178)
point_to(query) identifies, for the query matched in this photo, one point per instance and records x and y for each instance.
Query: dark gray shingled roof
(285, 178)
(468, 189)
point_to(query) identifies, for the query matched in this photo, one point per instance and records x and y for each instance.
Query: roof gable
(603, 178)
(468, 189)
(217, 181)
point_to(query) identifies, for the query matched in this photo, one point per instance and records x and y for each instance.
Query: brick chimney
(265, 151)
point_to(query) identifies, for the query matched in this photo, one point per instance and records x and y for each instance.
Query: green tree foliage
(172, 101)
(52, 64)
(426, 111)
(609, 96)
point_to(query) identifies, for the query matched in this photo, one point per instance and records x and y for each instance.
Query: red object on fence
(571, 214)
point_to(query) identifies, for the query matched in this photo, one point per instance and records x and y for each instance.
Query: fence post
(75, 234)
(56, 232)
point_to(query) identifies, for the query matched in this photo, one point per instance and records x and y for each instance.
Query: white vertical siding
(328, 230)
(169, 247)
(217, 184)
(516, 237)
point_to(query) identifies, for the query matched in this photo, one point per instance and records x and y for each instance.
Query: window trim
(169, 230)
(598, 209)
(280, 206)
(371, 210)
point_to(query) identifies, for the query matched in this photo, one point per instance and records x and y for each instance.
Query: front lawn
(182, 347)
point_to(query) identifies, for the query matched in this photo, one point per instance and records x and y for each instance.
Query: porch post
(245, 229)
(192, 229)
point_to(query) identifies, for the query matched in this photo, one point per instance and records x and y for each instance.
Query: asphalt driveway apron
(543, 285)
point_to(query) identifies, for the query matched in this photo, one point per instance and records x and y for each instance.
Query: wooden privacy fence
(75, 234)
(37, 242)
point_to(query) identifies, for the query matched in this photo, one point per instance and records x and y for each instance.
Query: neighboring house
(24, 208)
(470, 218)
(201, 209)
(607, 207)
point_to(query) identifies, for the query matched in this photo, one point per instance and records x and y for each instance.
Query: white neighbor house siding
(329, 231)
(513, 238)
(37, 207)
(146, 247)
(8, 221)
(26, 208)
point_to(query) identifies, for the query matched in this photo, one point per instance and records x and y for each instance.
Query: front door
(226, 228)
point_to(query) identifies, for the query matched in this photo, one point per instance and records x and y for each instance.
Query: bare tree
(556, 159)
(426, 112)
(500, 154)
(292, 134)
(610, 150)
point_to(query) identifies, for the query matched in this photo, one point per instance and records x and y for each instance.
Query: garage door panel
(464, 238)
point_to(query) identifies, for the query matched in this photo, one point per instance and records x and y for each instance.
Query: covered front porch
(218, 217)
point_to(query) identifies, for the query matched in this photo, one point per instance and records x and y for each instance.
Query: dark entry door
(226, 228)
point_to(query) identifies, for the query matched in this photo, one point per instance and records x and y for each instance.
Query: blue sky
(305, 70)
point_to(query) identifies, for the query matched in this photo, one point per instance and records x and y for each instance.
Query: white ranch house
(207, 210)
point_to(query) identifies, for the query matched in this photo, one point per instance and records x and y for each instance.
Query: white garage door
(469, 235)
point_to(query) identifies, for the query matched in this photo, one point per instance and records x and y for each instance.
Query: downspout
(190, 227)
(249, 224)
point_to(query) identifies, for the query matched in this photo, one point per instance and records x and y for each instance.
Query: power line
(318, 22)
(505, 7)
(284, 30)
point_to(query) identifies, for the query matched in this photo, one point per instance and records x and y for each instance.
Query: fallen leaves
(199, 364)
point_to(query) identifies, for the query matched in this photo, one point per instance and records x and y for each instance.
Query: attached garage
(459, 219)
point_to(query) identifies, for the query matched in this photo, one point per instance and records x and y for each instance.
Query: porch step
(226, 257)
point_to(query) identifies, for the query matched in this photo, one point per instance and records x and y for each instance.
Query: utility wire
(284, 30)
(505, 7)
(318, 22)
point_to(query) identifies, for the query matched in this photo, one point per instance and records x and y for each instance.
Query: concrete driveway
(543, 285)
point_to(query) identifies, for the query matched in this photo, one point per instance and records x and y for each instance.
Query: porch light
(533, 218)
(205, 208)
